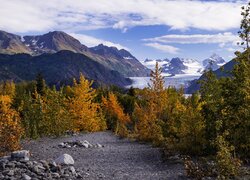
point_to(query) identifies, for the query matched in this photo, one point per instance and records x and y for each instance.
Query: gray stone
(65, 159)
(5, 158)
(72, 170)
(10, 173)
(35, 169)
(26, 177)
(61, 145)
(21, 155)
(55, 175)
(45, 164)
(99, 145)
(10, 165)
(52, 164)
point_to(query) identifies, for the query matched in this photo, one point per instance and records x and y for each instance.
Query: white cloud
(92, 41)
(220, 38)
(163, 48)
(32, 15)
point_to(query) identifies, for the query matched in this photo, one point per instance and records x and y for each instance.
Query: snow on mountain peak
(186, 66)
(213, 62)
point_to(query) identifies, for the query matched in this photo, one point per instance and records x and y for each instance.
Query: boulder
(21, 155)
(65, 159)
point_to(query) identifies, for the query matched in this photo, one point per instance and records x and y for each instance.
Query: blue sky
(147, 28)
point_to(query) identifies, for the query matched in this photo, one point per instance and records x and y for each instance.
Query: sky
(153, 29)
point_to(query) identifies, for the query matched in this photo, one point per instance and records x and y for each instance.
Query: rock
(21, 155)
(99, 145)
(65, 159)
(61, 145)
(5, 158)
(86, 144)
(36, 170)
(52, 164)
(68, 146)
(45, 164)
(72, 170)
(26, 177)
(55, 175)
(9, 172)
(10, 165)
(1, 176)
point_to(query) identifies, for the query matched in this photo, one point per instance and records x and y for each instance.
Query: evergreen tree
(40, 84)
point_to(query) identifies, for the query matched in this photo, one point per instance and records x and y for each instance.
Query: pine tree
(210, 96)
(40, 84)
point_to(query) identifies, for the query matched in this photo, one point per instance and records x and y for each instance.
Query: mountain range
(60, 57)
(186, 66)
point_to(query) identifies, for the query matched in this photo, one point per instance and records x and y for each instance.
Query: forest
(213, 123)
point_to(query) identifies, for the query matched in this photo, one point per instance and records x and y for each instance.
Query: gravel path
(118, 159)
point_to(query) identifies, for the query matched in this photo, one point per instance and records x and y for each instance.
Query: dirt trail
(118, 159)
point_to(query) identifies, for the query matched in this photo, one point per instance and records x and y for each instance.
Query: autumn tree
(84, 111)
(148, 112)
(147, 124)
(10, 127)
(32, 111)
(116, 118)
(56, 117)
(157, 80)
(8, 88)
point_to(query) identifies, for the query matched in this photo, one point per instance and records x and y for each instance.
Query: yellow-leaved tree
(10, 128)
(117, 119)
(148, 110)
(86, 114)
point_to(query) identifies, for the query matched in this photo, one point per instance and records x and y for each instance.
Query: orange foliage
(10, 128)
(115, 113)
(84, 110)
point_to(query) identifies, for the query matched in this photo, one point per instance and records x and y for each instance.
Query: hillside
(224, 71)
(58, 68)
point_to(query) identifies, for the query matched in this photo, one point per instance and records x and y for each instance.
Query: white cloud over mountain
(163, 48)
(220, 38)
(32, 15)
(92, 41)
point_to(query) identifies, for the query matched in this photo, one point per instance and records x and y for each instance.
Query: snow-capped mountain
(214, 62)
(186, 66)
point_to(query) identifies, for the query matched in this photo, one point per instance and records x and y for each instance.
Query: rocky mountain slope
(11, 43)
(53, 42)
(108, 64)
